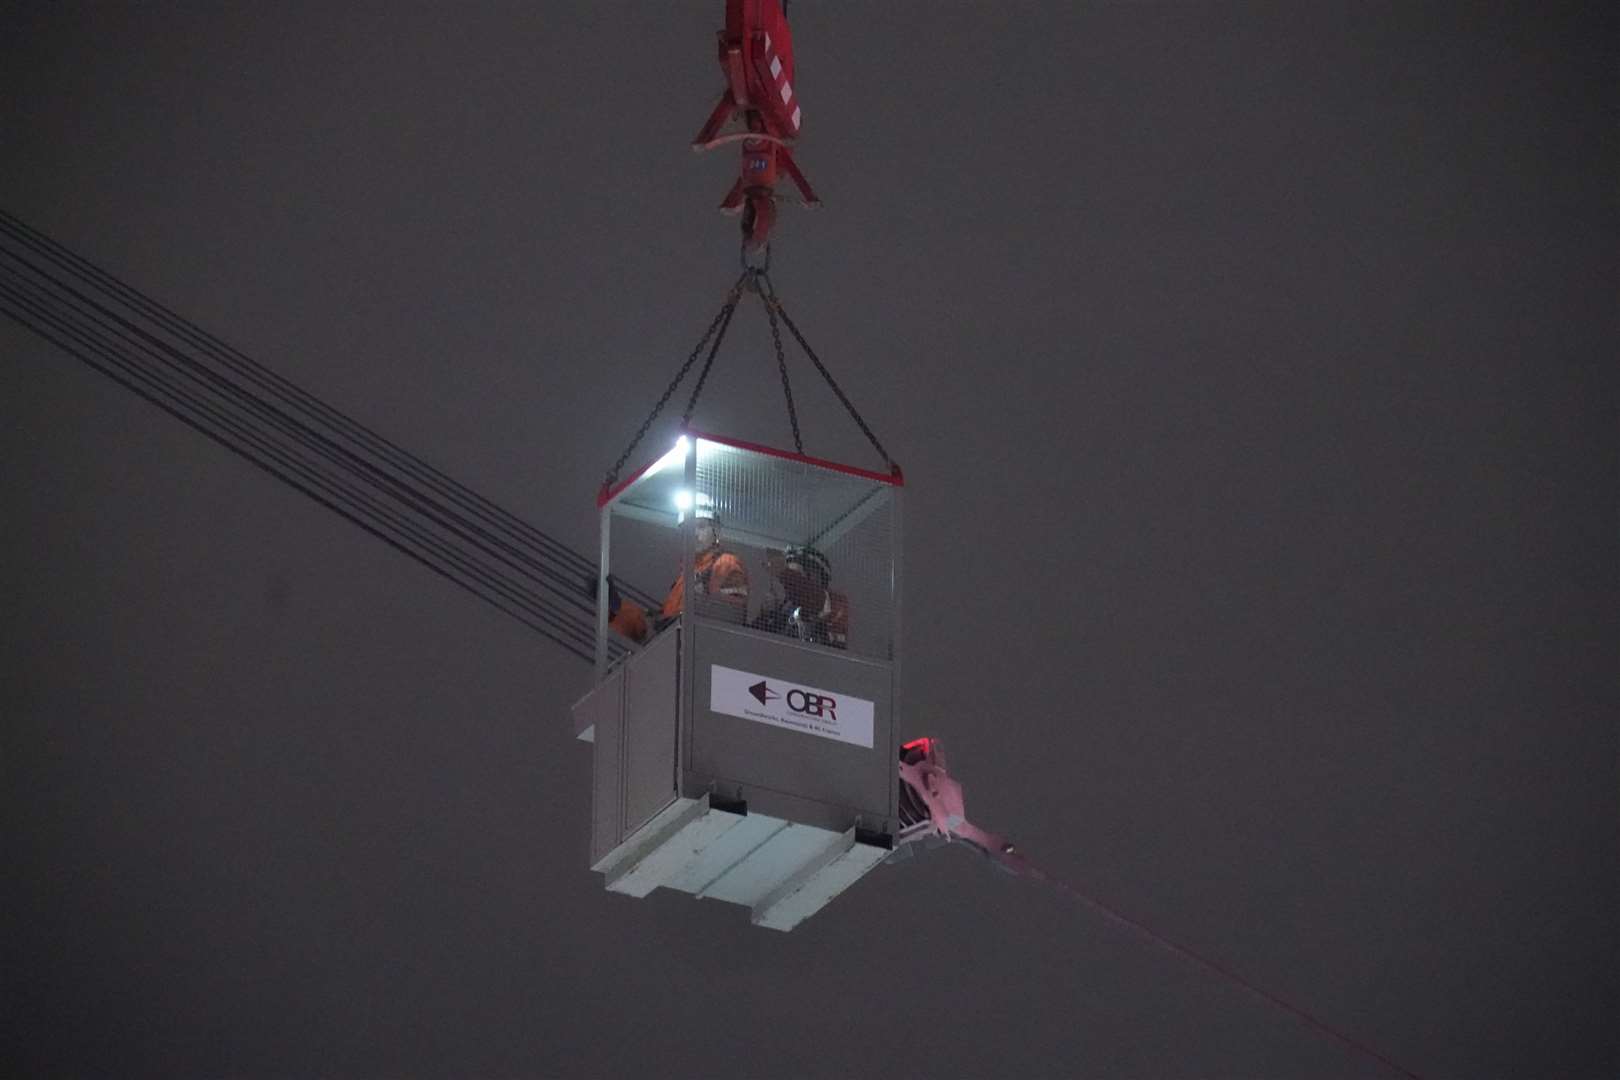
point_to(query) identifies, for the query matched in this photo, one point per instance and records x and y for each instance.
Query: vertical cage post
(603, 571)
(896, 702)
(688, 532)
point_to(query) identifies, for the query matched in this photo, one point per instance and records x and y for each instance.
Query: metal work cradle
(732, 759)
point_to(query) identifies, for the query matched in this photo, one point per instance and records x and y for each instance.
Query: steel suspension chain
(774, 306)
(755, 278)
(719, 323)
(703, 376)
(767, 295)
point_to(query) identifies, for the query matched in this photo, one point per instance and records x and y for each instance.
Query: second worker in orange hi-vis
(721, 578)
(626, 620)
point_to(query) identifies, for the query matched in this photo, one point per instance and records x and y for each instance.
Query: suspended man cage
(745, 749)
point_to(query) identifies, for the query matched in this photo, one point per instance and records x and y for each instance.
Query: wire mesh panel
(641, 556)
(775, 542)
(814, 538)
(644, 559)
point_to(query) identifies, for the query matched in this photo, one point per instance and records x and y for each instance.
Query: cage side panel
(584, 713)
(650, 711)
(606, 706)
(733, 749)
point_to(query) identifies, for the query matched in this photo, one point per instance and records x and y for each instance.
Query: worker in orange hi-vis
(626, 620)
(720, 576)
(802, 604)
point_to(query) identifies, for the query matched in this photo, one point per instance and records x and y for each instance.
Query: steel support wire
(300, 474)
(576, 566)
(567, 585)
(259, 449)
(274, 383)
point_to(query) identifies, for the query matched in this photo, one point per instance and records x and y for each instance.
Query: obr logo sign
(803, 702)
(813, 704)
(810, 710)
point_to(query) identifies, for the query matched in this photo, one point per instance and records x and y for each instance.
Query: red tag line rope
(1220, 969)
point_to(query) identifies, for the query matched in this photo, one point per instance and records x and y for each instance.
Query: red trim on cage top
(608, 494)
(896, 478)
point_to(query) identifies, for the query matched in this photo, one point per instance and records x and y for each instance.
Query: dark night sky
(1252, 369)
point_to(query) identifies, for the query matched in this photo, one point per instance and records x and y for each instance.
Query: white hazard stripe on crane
(783, 87)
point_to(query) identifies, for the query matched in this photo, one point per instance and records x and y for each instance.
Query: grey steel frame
(686, 788)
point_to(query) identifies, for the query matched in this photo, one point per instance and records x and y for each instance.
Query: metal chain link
(764, 265)
(767, 295)
(756, 279)
(721, 318)
(774, 306)
(703, 376)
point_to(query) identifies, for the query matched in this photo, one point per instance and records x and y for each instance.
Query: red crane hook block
(756, 56)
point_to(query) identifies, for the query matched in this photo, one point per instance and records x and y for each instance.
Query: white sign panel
(809, 709)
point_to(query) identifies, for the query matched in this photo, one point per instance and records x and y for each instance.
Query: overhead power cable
(303, 441)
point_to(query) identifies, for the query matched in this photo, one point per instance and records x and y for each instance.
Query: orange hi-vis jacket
(719, 574)
(829, 626)
(835, 616)
(631, 622)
